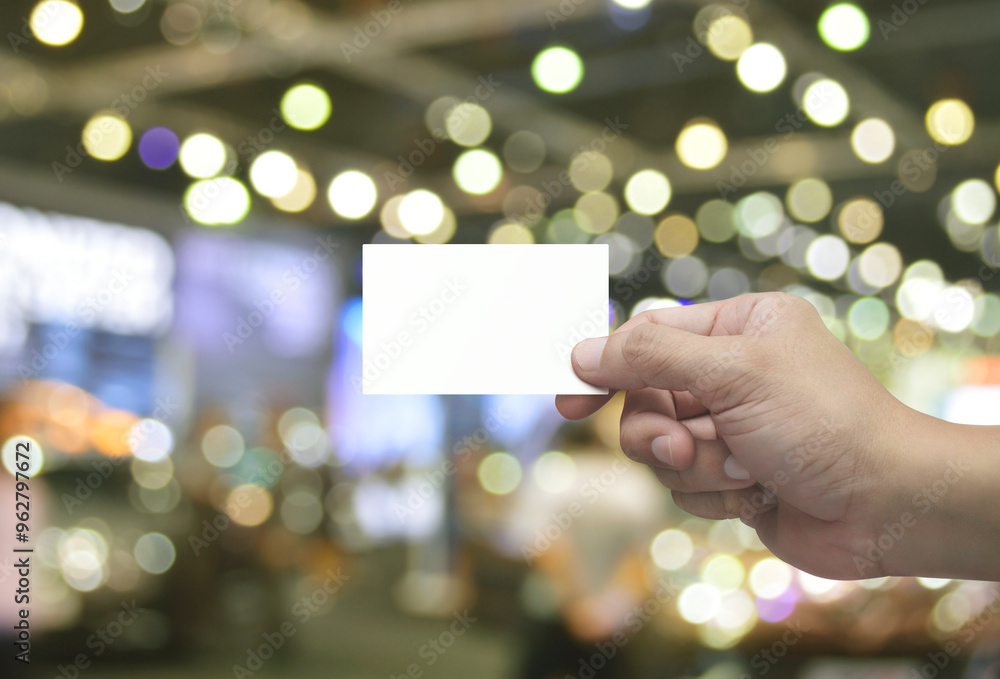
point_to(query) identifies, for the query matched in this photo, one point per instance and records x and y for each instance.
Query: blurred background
(185, 186)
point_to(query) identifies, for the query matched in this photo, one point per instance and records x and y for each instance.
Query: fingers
(659, 356)
(579, 406)
(746, 504)
(706, 471)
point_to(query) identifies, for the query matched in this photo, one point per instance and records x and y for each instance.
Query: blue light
(351, 320)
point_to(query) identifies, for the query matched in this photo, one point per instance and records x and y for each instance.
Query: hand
(751, 408)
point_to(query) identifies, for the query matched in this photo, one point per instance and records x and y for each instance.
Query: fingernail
(588, 353)
(735, 470)
(663, 451)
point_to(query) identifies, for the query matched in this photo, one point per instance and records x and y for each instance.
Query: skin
(845, 481)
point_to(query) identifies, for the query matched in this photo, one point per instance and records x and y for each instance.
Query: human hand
(751, 408)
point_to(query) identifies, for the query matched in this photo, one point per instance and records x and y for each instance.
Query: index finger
(700, 319)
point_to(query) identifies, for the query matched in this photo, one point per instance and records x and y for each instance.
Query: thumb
(661, 357)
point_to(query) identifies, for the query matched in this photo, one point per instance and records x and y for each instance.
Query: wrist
(943, 519)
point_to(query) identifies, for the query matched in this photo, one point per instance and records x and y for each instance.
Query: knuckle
(731, 505)
(641, 350)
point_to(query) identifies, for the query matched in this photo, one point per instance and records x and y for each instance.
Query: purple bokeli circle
(158, 148)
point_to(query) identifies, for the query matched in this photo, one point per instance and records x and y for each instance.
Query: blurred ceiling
(229, 82)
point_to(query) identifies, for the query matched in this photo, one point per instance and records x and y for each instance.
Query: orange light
(109, 432)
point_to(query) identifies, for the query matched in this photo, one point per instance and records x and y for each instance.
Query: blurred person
(585, 534)
(751, 408)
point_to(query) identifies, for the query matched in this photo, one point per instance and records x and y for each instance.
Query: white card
(480, 319)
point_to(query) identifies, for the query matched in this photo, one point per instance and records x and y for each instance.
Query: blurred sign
(81, 273)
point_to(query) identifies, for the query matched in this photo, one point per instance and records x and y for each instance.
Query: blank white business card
(480, 319)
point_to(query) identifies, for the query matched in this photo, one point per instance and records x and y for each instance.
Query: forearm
(946, 521)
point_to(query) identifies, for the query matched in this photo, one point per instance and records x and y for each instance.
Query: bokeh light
(352, 194)
(728, 36)
(478, 171)
(301, 196)
(524, 151)
(499, 473)
(860, 220)
(950, 122)
(273, 174)
(468, 124)
(155, 553)
(716, 221)
(223, 446)
(828, 258)
(306, 107)
(671, 549)
(596, 212)
(880, 265)
(158, 148)
(107, 136)
(699, 603)
(868, 318)
(421, 212)
(826, 103)
(218, 201)
(676, 236)
(648, 192)
(591, 171)
(56, 22)
(809, 200)
(554, 472)
(974, 201)
(769, 578)
(511, 234)
(249, 505)
(557, 70)
(21, 443)
(844, 26)
(701, 145)
(202, 156)
(762, 67)
(759, 215)
(873, 140)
